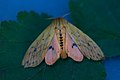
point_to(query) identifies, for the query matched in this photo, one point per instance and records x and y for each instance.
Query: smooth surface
(56, 8)
(112, 67)
(10, 8)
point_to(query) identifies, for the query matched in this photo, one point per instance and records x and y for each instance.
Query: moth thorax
(63, 54)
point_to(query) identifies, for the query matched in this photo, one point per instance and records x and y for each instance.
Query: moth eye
(74, 45)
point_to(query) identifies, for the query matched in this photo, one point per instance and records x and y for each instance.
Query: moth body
(61, 39)
(60, 32)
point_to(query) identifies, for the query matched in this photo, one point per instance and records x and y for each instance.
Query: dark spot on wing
(99, 55)
(29, 52)
(35, 49)
(74, 45)
(33, 62)
(50, 47)
(27, 61)
(88, 44)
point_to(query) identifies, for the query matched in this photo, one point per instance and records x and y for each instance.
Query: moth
(61, 39)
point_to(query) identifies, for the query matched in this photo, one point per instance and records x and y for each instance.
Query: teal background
(55, 8)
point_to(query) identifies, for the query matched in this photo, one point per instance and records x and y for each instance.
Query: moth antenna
(66, 14)
(51, 18)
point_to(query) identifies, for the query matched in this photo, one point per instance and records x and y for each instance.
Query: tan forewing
(37, 50)
(86, 45)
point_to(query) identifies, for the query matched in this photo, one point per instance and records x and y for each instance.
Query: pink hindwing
(72, 49)
(61, 39)
(53, 52)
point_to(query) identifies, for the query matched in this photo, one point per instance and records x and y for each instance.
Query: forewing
(37, 50)
(86, 45)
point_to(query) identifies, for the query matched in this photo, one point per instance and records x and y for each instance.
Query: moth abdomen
(60, 34)
(61, 42)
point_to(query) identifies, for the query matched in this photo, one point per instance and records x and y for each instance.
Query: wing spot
(33, 62)
(88, 44)
(97, 57)
(35, 49)
(93, 56)
(27, 61)
(29, 52)
(74, 45)
(99, 54)
(50, 47)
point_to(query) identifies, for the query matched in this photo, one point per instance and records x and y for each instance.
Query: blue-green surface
(56, 8)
